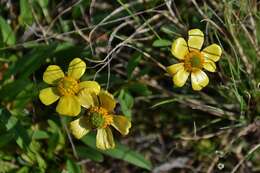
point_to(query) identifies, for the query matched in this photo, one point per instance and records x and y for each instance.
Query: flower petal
(212, 52)
(77, 68)
(79, 127)
(180, 77)
(179, 48)
(107, 100)
(68, 105)
(121, 123)
(86, 98)
(105, 139)
(48, 96)
(199, 79)
(209, 65)
(52, 74)
(196, 39)
(173, 69)
(90, 86)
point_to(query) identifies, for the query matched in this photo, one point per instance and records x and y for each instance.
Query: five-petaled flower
(71, 93)
(193, 60)
(99, 117)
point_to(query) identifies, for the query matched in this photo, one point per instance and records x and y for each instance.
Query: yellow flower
(71, 93)
(100, 116)
(192, 60)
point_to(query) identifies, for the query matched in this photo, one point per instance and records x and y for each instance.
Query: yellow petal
(173, 69)
(179, 48)
(79, 127)
(52, 74)
(77, 68)
(121, 123)
(209, 65)
(107, 100)
(90, 86)
(105, 139)
(86, 99)
(212, 52)
(180, 77)
(48, 96)
(68, 105)
(199, 79)
(196, 39)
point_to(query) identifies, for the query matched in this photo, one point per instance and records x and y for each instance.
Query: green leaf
(56, 140)
(132, 64)
(11, 90)
(86, 152)
(120, 152)
(14, 126)
(43, 3)
(139, 88)
(126, 101)
(30, 62)
(8, 36)
(161, 43)
(39, 134)
(23, 68)
(6, 138)
(164, 102)
(26, 17)
(7, 166)
(72, 167)
(24, 169)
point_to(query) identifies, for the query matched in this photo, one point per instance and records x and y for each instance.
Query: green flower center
(193, 60)
(68, 86)
(98, 117)
(97, 120)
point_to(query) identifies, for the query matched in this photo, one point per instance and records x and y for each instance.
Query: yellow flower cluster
(72, 94)
(100, 104)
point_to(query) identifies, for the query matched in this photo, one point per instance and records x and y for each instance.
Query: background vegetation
(126, 45)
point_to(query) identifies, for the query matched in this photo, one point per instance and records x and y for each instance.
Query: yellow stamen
(99, 117)
(193, 61)
(68, 86)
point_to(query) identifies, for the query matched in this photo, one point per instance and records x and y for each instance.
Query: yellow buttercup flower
(192, 60)
(71, 93)
(100, 117)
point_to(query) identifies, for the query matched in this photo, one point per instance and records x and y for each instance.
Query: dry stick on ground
(122, 44)
(256, 147)
(108, 17)
(113, 34)
(80, 32)
(60, 36)
(194, 104)
(244, 131)
(60, 14)
(237, 44)
(172, 15)
(38, 23)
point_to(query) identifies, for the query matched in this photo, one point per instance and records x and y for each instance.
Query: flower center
(193, 60)
(68, 86)
(98, 117)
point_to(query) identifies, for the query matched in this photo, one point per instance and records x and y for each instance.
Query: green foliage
(26, 16)
(72, 167)
(120, 152)
(162, 43)
(127, 46)
(7, 34)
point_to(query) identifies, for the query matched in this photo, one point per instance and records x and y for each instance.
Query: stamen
(68, 86)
